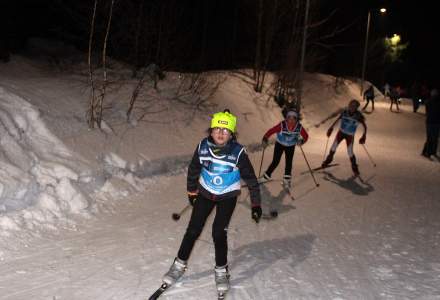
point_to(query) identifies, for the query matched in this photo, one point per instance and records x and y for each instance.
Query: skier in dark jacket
(394, 98)
(369, 96)
(350, 119)
(432, 124)
(213, 181)
(290, 133)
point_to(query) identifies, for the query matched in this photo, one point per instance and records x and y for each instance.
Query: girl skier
(289, 133)
(350, 119)
(213, 181)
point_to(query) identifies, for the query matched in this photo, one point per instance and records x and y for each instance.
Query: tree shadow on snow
(250, 259)
(351, 184)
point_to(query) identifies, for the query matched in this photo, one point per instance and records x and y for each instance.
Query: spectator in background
(415, 96)
(386, 90)
(394, 97)
(432, 125)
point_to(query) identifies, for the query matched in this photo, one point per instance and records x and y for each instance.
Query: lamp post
(364, 60)
(303, 53)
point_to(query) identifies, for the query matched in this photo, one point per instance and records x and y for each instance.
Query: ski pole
(325, 151)
(308, 165)
(369, 156)
(176, 216)
(261, 163)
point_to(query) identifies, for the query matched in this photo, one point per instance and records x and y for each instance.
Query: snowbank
(38, 174)
(53, 166)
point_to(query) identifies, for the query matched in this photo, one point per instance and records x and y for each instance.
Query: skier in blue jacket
(218, 164)
(350, 118)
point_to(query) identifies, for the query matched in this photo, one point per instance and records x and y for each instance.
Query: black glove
(362, 140)
(256, 213)
(192, 198)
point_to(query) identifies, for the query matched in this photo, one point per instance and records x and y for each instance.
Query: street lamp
(395, 39)
(364, 61)
(303, 53)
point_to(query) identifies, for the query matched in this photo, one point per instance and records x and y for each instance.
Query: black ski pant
(277, 153)
(432, 136)
(201, 211)
(368, 101)
(416, 104)
(394, 101)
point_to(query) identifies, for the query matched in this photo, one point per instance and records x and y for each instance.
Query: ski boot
(328, 160)
(175, 272)
(287, 181)
(354, 166)
(222, 281)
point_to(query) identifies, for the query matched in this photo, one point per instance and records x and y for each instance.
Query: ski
(288, 190)
(358, 176)
(322, 168)
(159, 291)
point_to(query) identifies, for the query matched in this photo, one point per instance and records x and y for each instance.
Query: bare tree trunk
(159, 34)
(205, 33)
(271, 27)
(234, 32)
(257, 66)
(137, 36)
(104, 67)
(135, 94)
(91, 110)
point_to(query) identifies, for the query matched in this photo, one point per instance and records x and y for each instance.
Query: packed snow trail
(344, 240)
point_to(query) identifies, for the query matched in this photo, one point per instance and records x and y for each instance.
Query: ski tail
(159, 291)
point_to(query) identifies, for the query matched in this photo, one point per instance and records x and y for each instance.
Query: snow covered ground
(87, 214)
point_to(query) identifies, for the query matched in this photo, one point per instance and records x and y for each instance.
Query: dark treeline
(222, 34)
(188, 35)
(197, 35)
(192, 35)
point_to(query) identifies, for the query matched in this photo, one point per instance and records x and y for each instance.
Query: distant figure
(280, 99)
(394, 97)
(350, 119)
(415, 96)
(369, 96)
(291, 103)
(432, 125)
(386, 90)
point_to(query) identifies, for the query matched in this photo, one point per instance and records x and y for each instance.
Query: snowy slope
(346, 239)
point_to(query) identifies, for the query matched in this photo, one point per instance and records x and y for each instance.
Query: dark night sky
(416, 22)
